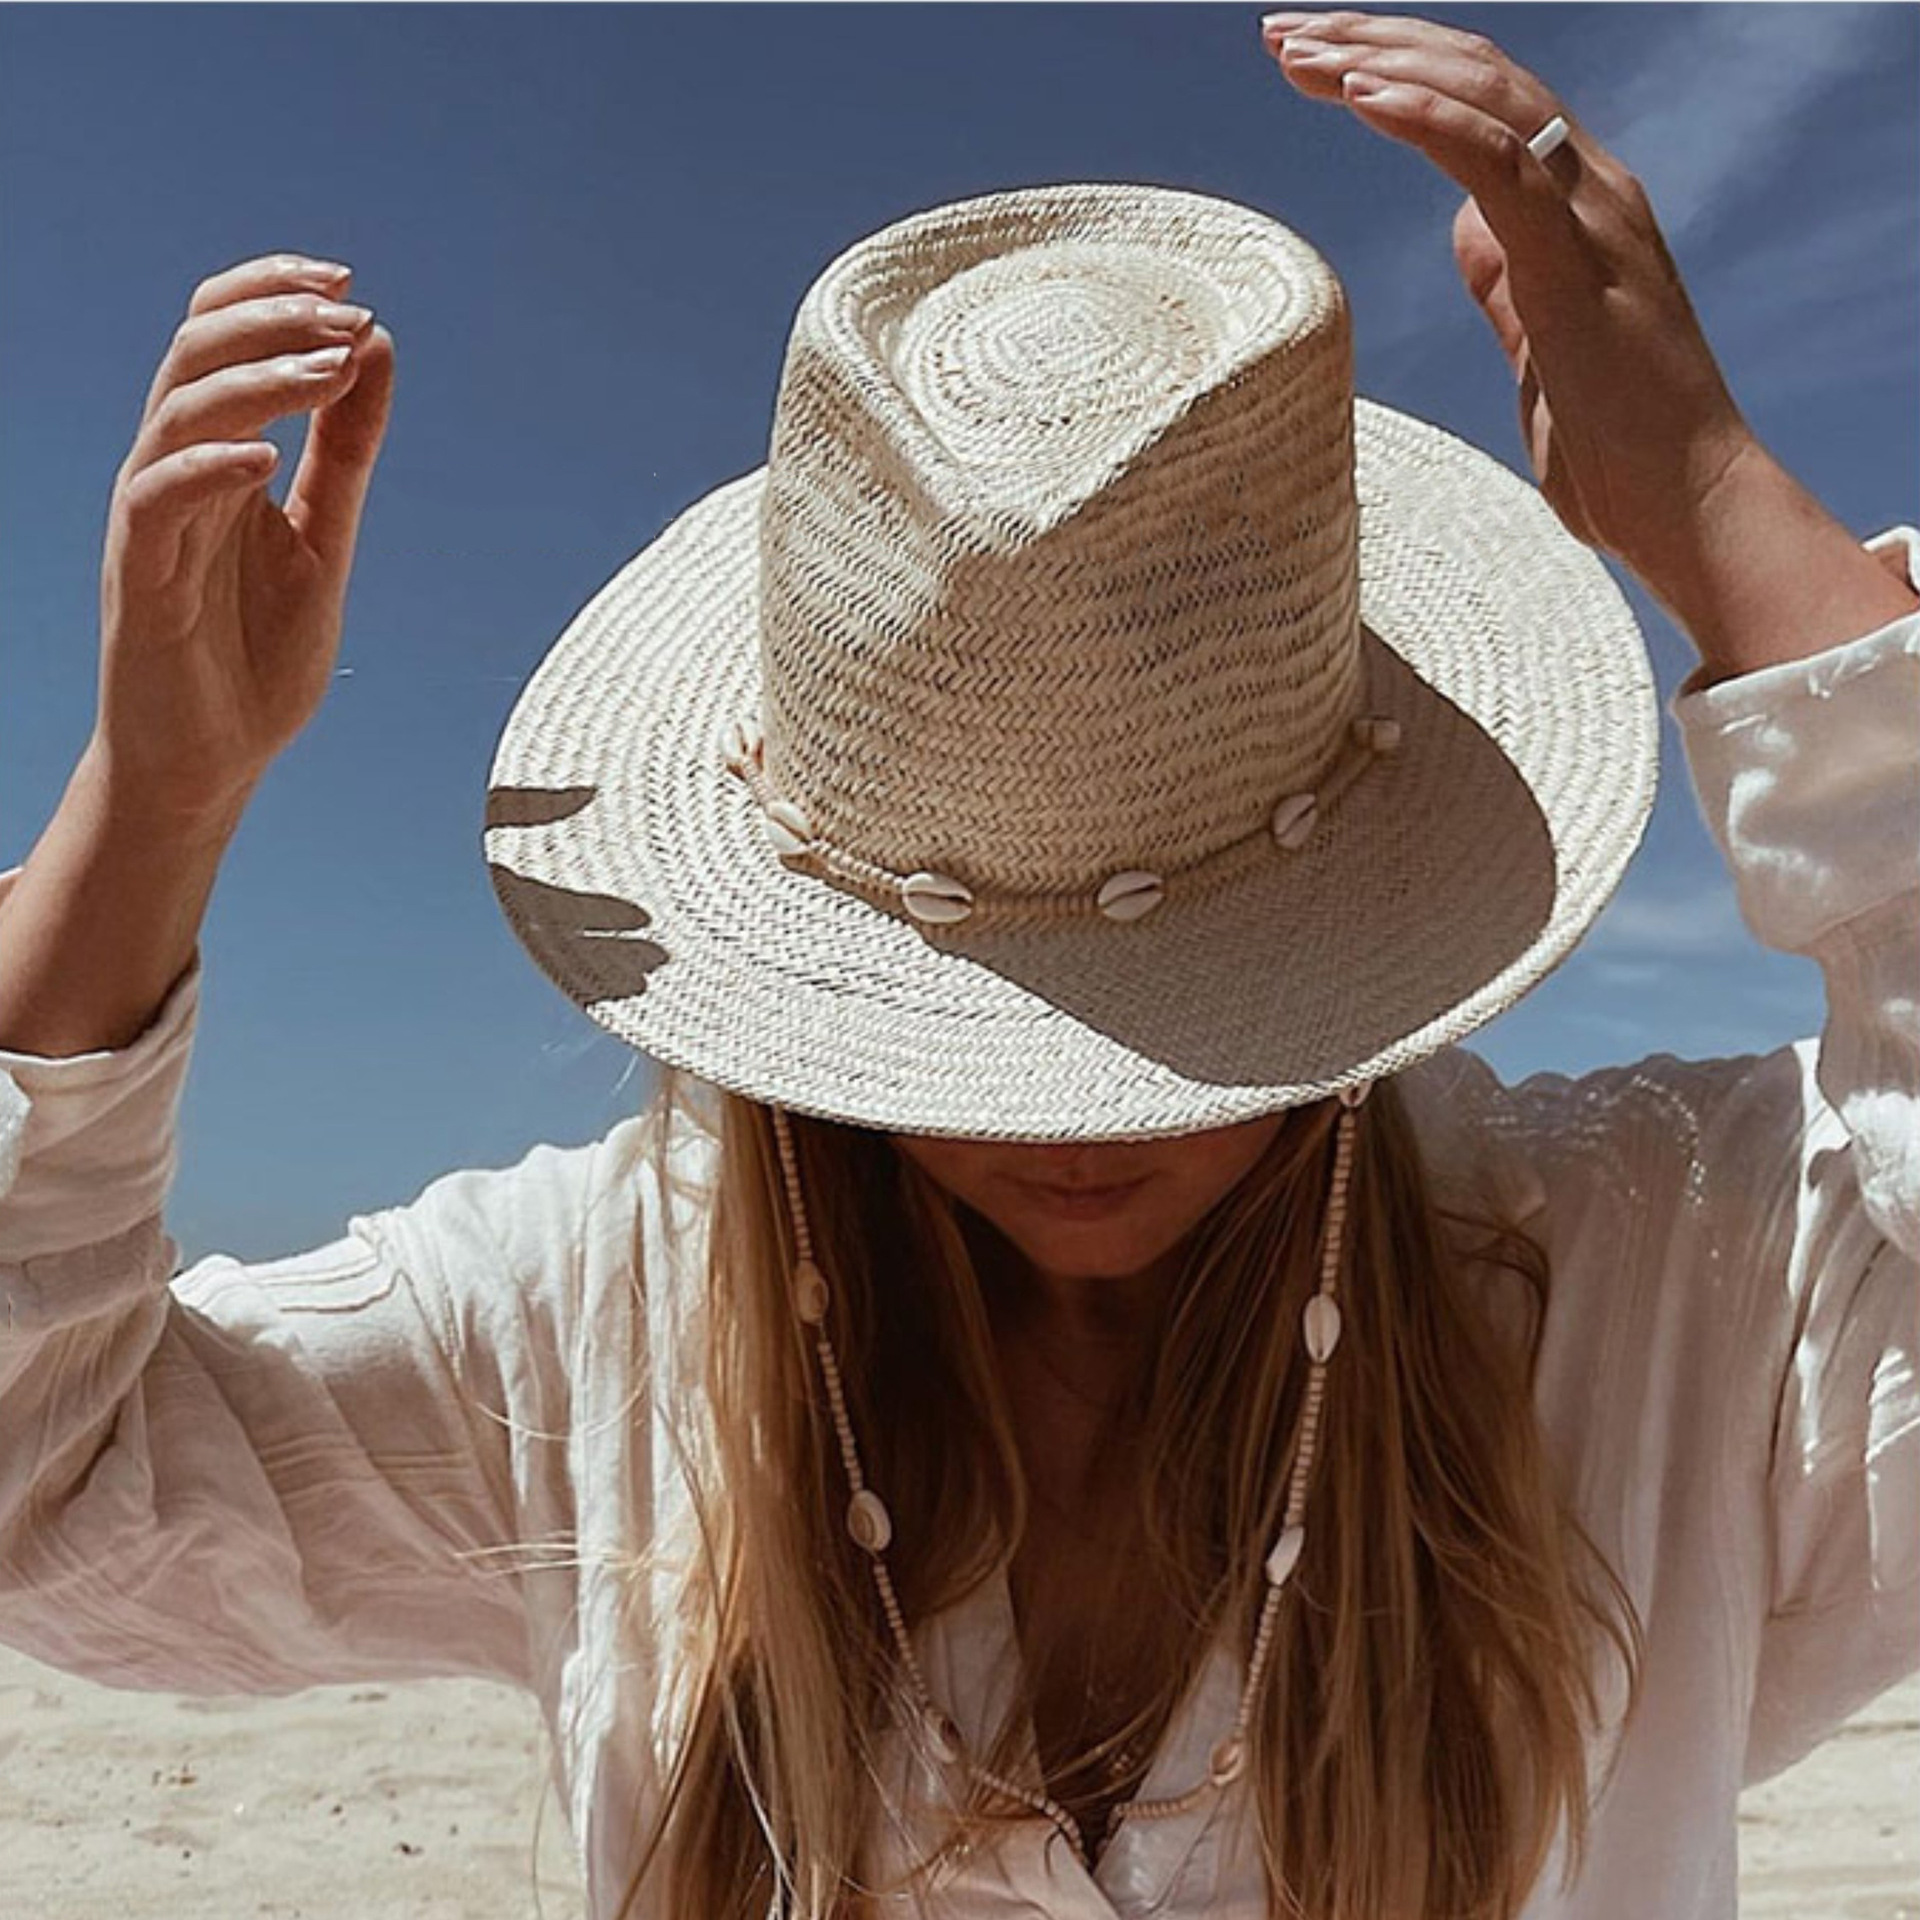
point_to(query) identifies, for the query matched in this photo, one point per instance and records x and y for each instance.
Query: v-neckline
(971, 1654)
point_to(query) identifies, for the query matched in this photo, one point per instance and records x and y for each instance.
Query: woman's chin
(1087, 1249)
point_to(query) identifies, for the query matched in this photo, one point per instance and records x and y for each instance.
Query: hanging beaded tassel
(871, 1526)
(1320, 1333)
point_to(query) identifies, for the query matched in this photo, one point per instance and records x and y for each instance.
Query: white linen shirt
(257, 1478)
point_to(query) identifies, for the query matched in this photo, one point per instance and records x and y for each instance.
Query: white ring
(1551, 138)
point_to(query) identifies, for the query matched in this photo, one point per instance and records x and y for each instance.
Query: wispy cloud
(1639, 930)
(1676, 967)
(1627, 976)
(1718, 98)
(1830, 304)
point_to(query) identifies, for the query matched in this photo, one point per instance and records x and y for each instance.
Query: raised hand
(1626, 417)
(220, 620)
(1636, 441)
(220, 609)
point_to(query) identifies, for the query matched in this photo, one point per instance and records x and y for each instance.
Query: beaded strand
(871, 1526)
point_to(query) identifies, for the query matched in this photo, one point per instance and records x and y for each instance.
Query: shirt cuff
(87, 1142)
(1805, 773)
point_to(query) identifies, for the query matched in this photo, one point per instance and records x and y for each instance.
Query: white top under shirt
(252, 1479)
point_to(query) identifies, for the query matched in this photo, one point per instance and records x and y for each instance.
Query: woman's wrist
(105, 915)
(1759, 572)
(187, 806)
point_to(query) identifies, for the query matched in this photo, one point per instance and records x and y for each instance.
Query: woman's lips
(1082, 1202)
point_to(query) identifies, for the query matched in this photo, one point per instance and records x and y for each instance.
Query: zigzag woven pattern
(1059, 544)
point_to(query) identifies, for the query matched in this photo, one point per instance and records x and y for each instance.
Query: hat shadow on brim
(1324, 981)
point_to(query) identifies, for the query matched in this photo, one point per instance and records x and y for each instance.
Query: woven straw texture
(1074, 554)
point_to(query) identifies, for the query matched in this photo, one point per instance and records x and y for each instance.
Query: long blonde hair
(1422, 1731)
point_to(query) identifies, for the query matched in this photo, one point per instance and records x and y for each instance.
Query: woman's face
(1095, 1210)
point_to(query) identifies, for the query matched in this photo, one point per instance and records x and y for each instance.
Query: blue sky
(588, 228)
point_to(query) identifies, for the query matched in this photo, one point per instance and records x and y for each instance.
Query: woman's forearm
(1766, 574)
(105, 915)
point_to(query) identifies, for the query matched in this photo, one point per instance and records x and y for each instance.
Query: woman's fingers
(1497, 88)
(1454, 96)
(269, 274)
(232, 403)
(278, 303)
(255, 330)
(1477, 149)
(1483, 150)
(330, 486)
(1470, 111)
(164, 499)
(1482, 262)
(1382, 32)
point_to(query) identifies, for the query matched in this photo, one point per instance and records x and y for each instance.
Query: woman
(1073, 1350)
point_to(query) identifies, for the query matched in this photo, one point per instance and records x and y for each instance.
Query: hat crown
(1059, 568)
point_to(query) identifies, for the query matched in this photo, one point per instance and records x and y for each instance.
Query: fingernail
(1363, 86)
(1283, 22)
(325, 360)
(1304, 52)
(320, 269)
(338, 314)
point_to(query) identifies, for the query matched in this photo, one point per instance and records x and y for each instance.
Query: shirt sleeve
(1808, 775)
(346, 1465)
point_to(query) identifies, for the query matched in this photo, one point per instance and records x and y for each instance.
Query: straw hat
(1092, 721)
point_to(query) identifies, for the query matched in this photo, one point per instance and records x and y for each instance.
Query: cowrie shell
(1293, 819)
(788, 828)
(934, 898)
(1285, 1556)
(943, 1735)
(1377, 734)
(1228, 1761)
(810, 1293)
(868, 1520)
(1321, 1324)
(1131, 895)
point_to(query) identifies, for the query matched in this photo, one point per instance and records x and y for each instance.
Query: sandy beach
(430, 1802)
(371, 1802)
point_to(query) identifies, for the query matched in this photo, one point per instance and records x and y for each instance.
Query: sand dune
(421, 1803)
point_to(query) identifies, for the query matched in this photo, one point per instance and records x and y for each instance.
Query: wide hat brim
(1445, 883)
